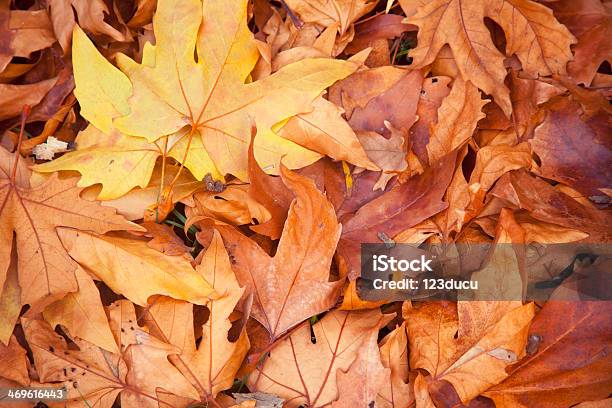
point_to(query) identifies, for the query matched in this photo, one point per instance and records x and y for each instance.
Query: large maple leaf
(314, 369)
(33, 214)
(210, 366)
(191, 87)
(540, 42)
(294, 284)
(140, 371)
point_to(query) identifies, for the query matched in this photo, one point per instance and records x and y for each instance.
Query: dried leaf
(541, 43)
(310, 376)
(120, 262)
(212, 365)
(569, 365)
(294, 284)
(46, 272)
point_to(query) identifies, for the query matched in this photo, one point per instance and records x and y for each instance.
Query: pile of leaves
(185, 186)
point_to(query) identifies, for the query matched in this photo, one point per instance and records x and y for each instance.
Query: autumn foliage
(185, 187)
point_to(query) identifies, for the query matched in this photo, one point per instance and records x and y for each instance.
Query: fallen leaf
(310, 376)
(458, 115)
(470, 368)
(96, 376)
(294, 284)
(492, 162)
(212, 99)
(434, 90)
(326, 13)
(358, 89)
(234, 205)
(589, 21)
(14, 97)
(23, 32)
(14, 362)
(388, 154)
(570, 364)
(383, 26)
(573, 150)
(384, 107)
(396, 393)
(120, 262)
(325, 131)
(361, 383)
(10, 300)
(394, 211)
(212, 365)
(165, 240)
(541, 43)
(272, 193)
(46, 272)
(545, 203)
(82, 313)
(503, 277)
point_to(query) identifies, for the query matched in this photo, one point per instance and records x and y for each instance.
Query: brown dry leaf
(143, 14)
(589, 21)
(381, 27)
(23, 32)
(573, 150)
(272, 193)
(358, 89)
(536, 231)
(15, 363)
(14, 97)
(46, 272)
(97, 376)
(352, 301)
(305, 372)
(121, 262)
(325, 131)
(384, 107)
(492, 162)
(396, 393)
(546, 203)
(541, 43)
(234, 205)
(90, 14)
(294, 284)
(10, 299)
(422, 397)
(365, 378)
(211, 366)
(527, 95)
(165, 240)
(389, 154)
(569, 364)
(596, 404)
(458, 115)
(503, 277)
(434, 90)
(328, 12)
(471, 364)
(402, 207)
(82, 314)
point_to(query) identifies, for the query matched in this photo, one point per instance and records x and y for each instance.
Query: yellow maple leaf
(191, 99)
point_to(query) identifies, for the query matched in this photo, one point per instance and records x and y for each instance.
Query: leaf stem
(25, 112)
(178, 173)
